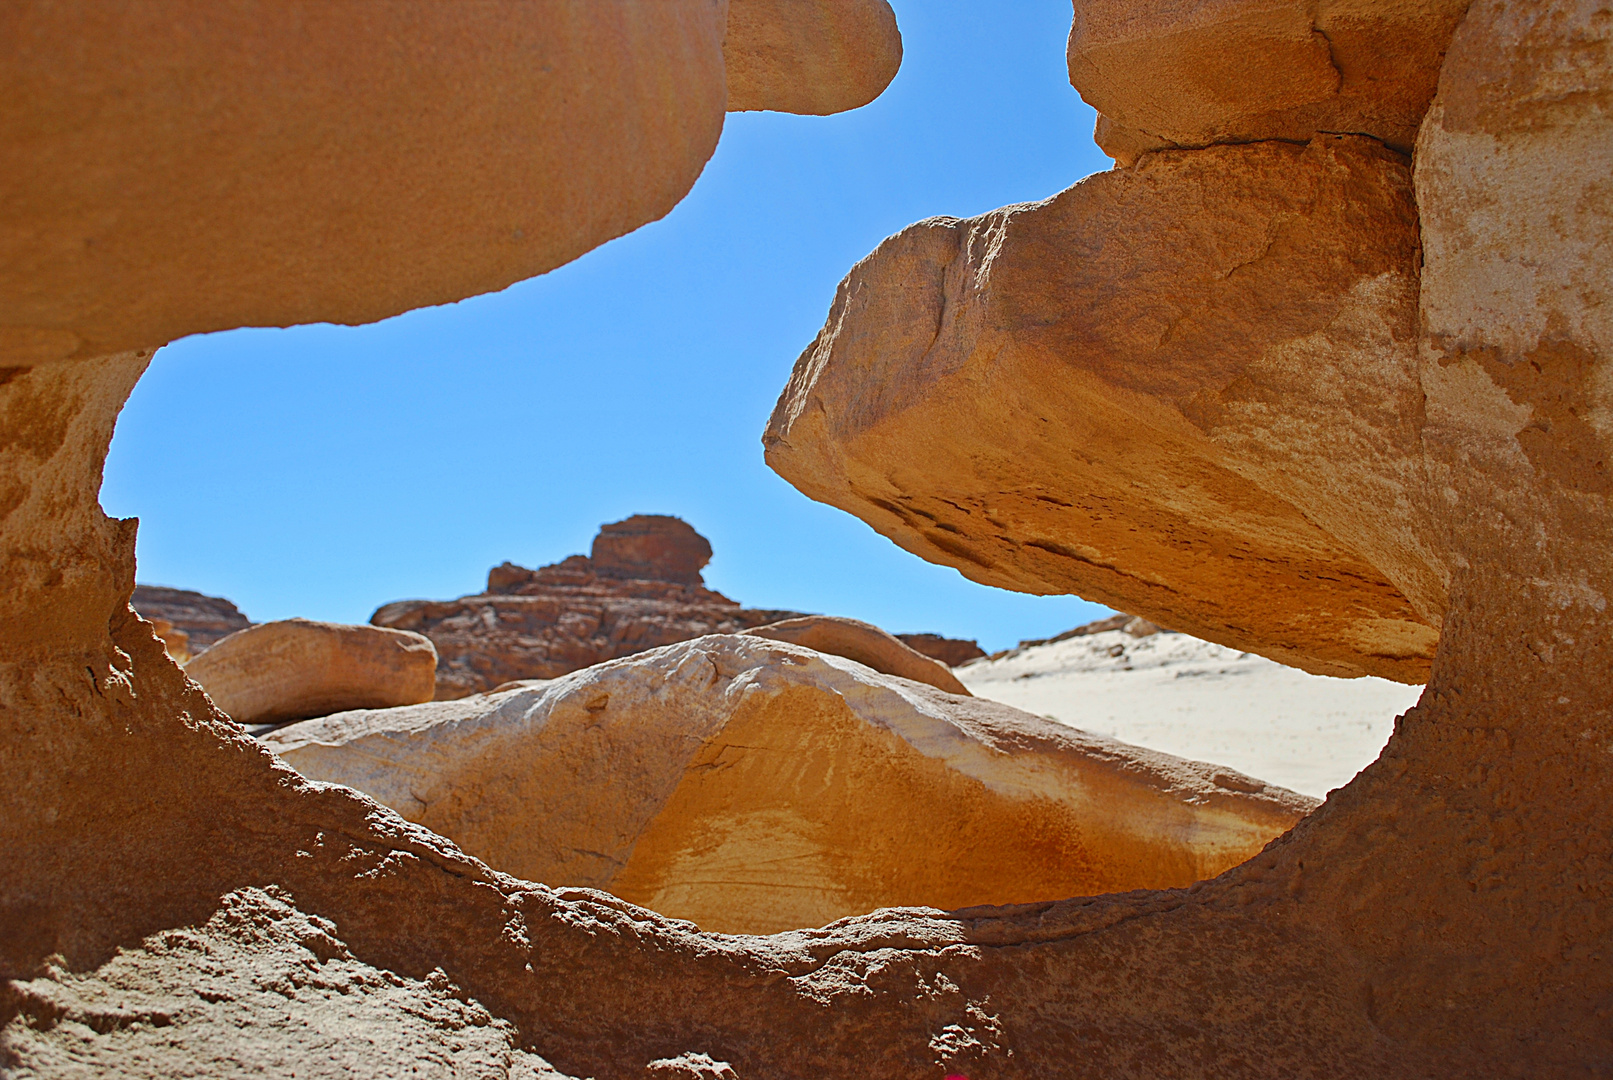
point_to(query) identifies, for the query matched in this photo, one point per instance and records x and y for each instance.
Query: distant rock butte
(640, 589)
(202, 619)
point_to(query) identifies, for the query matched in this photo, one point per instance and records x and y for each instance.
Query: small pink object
(956, 1076)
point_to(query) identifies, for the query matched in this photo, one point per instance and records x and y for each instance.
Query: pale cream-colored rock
(297, 668)
(864, 643)
(809, 56)
(1231, 71)
(754, 786)
(1186, 390)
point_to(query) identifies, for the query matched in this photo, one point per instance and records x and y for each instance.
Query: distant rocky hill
(202, 619)
(639, 588)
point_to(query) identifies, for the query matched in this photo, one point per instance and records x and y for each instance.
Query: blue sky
(322, 471)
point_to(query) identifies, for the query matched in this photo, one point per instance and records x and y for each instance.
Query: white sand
(1188, 697)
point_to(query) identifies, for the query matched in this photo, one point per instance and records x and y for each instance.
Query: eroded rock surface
(297, 668)
(809, 56)
(1186, 390)
(640, 589)
(1164, 75)
(203, 619)
(294, 162)
(1446, 914)
(950, 651)
(864, 643)
(752, 786)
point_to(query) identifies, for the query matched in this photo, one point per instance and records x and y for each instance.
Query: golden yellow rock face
(297, 668)
(754, 786)
(809, 56)
(1138, 391)
(1245, 70)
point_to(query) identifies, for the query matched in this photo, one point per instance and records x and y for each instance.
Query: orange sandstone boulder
(178, 166)
(753, 786)
(1186, 390)
(297, 668)
(1163, 75)
(864, 643)
(809, 56)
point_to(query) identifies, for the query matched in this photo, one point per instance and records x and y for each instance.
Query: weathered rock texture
(202, 619)
(1185, 390)
(809, 56)
(753, 787)
(1447, 914)
(864, 643)
(950, 651)
(640, 589)
(297, 668)
(1164, 75)
(182, 166)
(652, 547)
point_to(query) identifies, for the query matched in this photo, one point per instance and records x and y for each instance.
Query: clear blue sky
(322, 471)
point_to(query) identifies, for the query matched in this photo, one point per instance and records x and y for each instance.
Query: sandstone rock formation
(651, 547)
(950, 651)
(864, 643)
(1447, 914)
(203, 619)
(295, 162)
(640, 589)
(297, 668)
(817, 56)
(753, 787)
(1112, 393)
(1245, 70)
(175, 642)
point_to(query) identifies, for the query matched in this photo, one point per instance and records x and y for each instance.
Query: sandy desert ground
(1188, 697)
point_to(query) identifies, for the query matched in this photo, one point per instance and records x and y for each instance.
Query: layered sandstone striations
(201, 618)
(639, 589)
(297, 668)
(809, 56)
(1246, 70)
(753, 786)
(1186, 390)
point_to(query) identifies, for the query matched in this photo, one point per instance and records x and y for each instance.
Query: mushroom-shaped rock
(1162, 75)
(297, 668)
(809, 56)
(1186, 390)
(754, 786)
(864, 643)
(179, 166)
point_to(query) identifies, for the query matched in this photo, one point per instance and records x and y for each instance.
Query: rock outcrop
(297, 668)
(815, 57)
(1247, 70)
(1446, 914)
(752, 787)
(287, 162)
(865, 643)
(1137, 391)
(203, 619)
(950, 651)
(640, 589)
